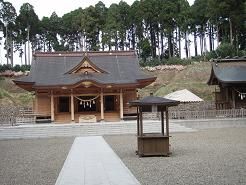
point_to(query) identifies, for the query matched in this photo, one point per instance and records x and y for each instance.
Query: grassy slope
(193, 78)
(10, 94)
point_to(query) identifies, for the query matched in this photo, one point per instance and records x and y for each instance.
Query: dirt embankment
(193, 77)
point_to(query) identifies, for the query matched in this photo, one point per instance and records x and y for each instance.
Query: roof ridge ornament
(86, 66)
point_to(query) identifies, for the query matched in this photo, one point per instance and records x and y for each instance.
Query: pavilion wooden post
(167, 122)
(140, 121)
(72, 106)
(137, 121)
(121, 104)
(102, 106)
(52, 107)
(162, 121)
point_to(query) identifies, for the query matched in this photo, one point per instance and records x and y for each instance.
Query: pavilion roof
(154, 100)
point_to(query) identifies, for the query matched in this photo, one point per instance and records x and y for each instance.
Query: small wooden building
(84, 86)
(153, 144)
(229, 76)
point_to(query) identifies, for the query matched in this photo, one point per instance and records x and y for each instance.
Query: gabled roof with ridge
(228, 71)
(105, 68)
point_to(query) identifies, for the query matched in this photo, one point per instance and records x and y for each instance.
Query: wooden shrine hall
(229, 77)
(84, 86)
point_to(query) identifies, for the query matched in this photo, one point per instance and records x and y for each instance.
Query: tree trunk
(231, 37)
(212, 32)
(153, 41)
(11, 52)
(169, 45)
(201, 42)
(116, 42)
(217, 31)
(133, 39)
(210, 38)
(158, 44)
(179, 37)
(205, 43)
(162, 44)
(195, 43)
(25, 53)
(186, 46)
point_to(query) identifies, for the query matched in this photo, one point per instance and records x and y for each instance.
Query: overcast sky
(47, 7)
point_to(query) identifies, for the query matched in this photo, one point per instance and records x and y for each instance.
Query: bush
(170, 61)
(5, 67)
(3, 93)
(226, 49)
(16, 68)
(178, 61)
(150, 62)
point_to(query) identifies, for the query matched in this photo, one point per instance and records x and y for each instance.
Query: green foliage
(16, 68)
(4, 93)
(153, 27)
(178, 61)
(1, 79)
(170, 61)
(25, 99)
(225, 50)
(145, 49)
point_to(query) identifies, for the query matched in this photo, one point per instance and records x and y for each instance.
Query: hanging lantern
(80, 102)
(87, 103)
(94, 102)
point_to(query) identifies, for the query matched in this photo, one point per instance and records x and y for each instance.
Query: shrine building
(76, 86)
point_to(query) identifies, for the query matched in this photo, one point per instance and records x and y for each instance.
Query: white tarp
(183, 96)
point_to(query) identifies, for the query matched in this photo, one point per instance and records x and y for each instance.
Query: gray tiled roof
(154, 100)
(50, 69)
(229, 71)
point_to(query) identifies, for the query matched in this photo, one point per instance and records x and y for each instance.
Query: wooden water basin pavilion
(153, 144)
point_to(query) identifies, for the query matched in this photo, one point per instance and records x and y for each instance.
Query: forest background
(156, 29)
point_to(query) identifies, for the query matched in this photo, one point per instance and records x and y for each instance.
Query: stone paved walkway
(91, 161)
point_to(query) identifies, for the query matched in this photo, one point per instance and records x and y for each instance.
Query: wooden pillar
(121, 104)
(36, 102)
(137, 121)
(102, 106)
(167, 122)
(233, 94)
(162, 121)
(141, 121)
(72, 107)
(52, 107)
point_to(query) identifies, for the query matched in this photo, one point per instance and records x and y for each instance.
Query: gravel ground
(214, 156)
(32, 161)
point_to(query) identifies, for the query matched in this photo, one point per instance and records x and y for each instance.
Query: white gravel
(32, 161)
(214, 156)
